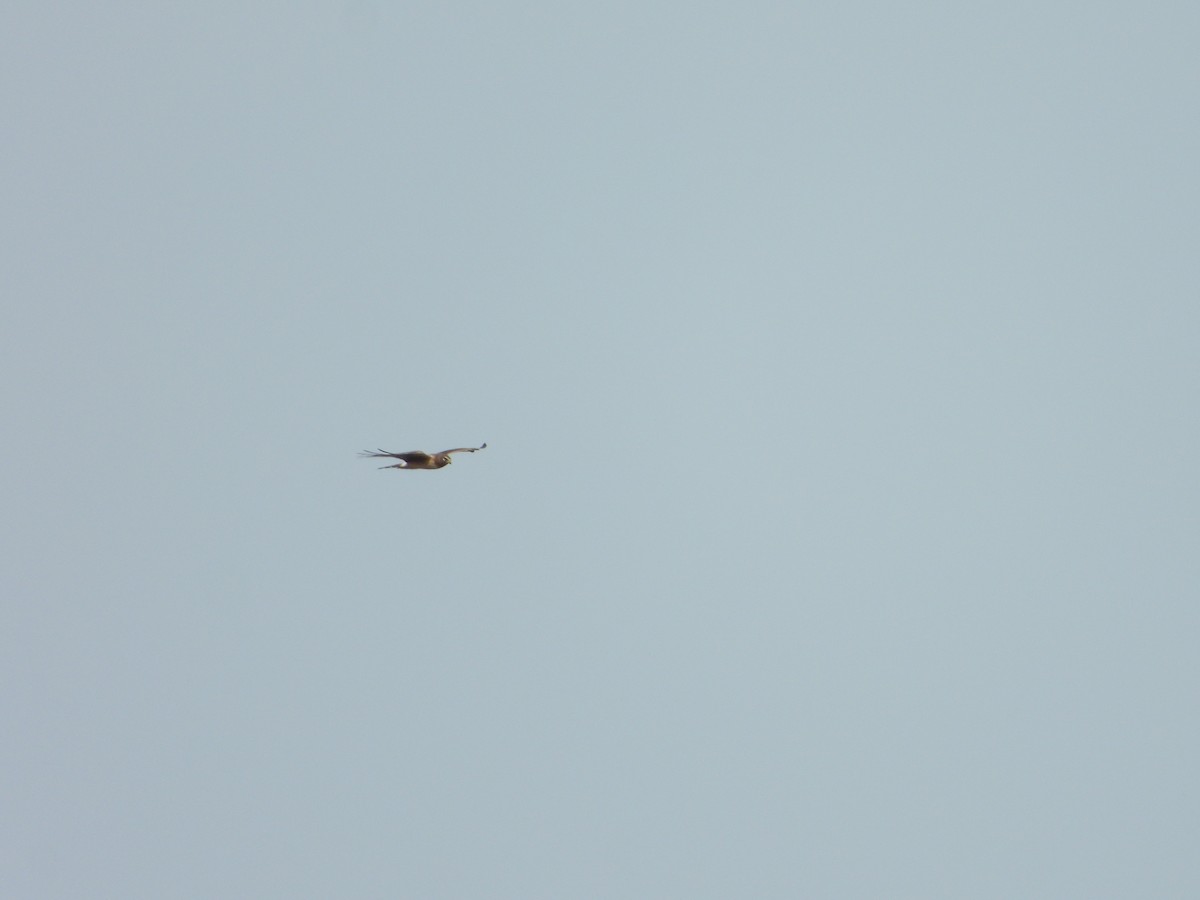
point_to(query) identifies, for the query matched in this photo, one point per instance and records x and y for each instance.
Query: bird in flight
(418, 459)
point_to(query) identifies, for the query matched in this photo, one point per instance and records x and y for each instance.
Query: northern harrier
(418, 459)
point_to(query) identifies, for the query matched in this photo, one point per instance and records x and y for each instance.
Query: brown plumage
(418, 459)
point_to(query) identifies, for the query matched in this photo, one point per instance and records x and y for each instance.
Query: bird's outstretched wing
(414, 458)
(462, 450)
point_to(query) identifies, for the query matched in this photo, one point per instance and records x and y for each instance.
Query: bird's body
(418, 459)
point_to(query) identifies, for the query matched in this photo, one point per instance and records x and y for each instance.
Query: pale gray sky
(837, 533)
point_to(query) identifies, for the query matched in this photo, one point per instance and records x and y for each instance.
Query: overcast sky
(837, 533)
